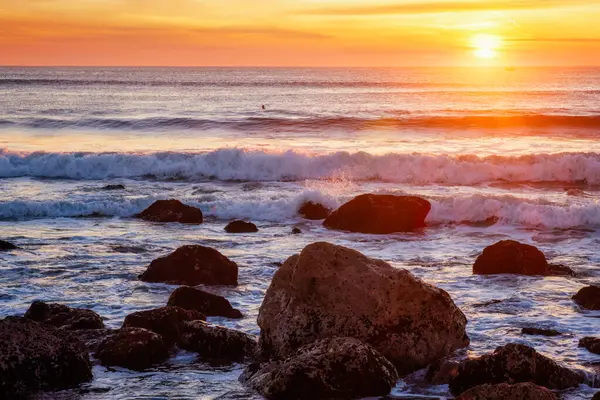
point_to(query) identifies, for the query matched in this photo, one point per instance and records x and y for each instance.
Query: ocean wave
(245, 165)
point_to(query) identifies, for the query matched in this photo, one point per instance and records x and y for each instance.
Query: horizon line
(296, 66)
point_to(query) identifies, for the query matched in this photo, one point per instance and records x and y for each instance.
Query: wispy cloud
(260, 31)
(556, 40)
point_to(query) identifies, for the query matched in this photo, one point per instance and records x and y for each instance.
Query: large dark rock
(63, 317)
(217, 342)
(241, 227)
(166, 321)
(513, 363)
(6, 246)
(314, 211)
(591, 343)
(133, 348)
(504, 391)
(375, 213)
(511, 257)
(36, 357)
(209, 304)
(588, 297)
(328, 291)
(171, 211)
(192, 265)
(337, 368)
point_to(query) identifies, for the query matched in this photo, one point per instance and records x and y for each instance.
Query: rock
(113, 187)
(166, 321)
(133, 348)
(314, 211)
(92, 338)
(504, 391)
(6, 246)
(591, 343)
(36, 357)
(588, 297)
(192, 265)
(296, 231)
(511, 257)
(335, 368)
(560, 270)
(596, 396)
(171, 211)
(241, 227)
(440, 371)
(209, 304)
(329, 291)
(64, 317)
(541, 332)
(513, 363)
(217, 342)
(373, 213)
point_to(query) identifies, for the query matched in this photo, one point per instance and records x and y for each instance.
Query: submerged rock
(241, 227)
(64, 317)
(209, 304)
(296, 231)
(35, 357)
(375, 213)
(328, 291)
(327, 369)
(6, 246)
(113, 187)
(92, 338)
(171, 211)
(504, 391)
(192, 265)
(314, 211)
(440, 371)
(513, 363)
(217, 342)
(591, 343)
(540, 332)
(166, 321)
(132, 348)
(588, 297)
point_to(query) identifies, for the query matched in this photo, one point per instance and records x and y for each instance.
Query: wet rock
(330, 368)
(591, 343)
(113, 187)
(540, 332)
(314, 211)
(217, 342)
(166, 321)
(511, 257)
(588, 297)
(132, 348)
(192, 265)
(64, 317)
(596, 396)
(329, 291)
(36, 357)
(373, 213)
(241, 227)
(560, 270)
(92, 338)
(6, 246)
(513, 363)
(440, 371)
(208, 304)
(171, 211)
(296, 231)
(504, 391)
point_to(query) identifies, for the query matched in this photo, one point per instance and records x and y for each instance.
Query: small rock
(192, 265)
(511, 257)
(133, 348)
(591, 343)
(209, 304)
(241, 227)
(560, 270)
(166, 321)
(588, 297)
(314, 211)
(217, 342)
(64, 317)
(171, 211)
(6, 246)
(504, 391)
(296, 231)
(337, 368)
(113, 187)
(440, 371)
(540, 332)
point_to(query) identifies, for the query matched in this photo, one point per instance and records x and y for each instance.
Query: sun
(486, 45)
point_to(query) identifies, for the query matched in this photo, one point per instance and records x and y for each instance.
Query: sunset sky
(299, 32)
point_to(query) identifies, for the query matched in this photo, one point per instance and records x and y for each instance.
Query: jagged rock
(113, 187)
(217, 342)
(209, 304)
(374, 213)
(6, 246)
(591, 343)
(440, 371)
(329, 291)
(133, 348)
(314, 211)
(513, 363)
(241, 227)
(166, 321)
(64, 317)
(35, 357)
(171, 211)
(192, 265)
(541, 332)
(504, 391)
(588, 297)
(326, 369)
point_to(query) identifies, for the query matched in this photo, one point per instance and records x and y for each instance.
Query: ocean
(500, 153)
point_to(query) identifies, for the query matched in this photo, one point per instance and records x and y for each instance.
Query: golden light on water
(486, 45)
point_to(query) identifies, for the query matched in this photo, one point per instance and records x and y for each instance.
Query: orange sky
(298, 32)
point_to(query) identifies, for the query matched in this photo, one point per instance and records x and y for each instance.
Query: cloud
(556, 40)
(260, 31)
